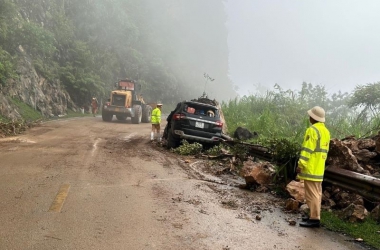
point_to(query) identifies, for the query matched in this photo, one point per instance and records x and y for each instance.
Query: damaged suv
(193, 121)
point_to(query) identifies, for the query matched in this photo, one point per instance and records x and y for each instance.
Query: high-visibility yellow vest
(156, 116)
(314, 151)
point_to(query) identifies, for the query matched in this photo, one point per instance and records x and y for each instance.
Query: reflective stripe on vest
(311, 176)
(318, 147)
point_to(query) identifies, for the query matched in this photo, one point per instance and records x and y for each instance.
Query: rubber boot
(158, 137)
(151, 136)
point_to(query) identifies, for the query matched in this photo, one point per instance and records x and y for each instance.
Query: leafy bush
(216, 150)
(7, 69)
(27, 112)
(240, 151)
(283, 149)
(282, 114)
(35, 39)
(49, 69)
(188, 148)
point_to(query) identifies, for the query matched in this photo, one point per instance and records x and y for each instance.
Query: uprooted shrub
(214, 151)
(187, 148)
(13, 128)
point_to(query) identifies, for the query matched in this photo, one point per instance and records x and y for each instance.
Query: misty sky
(335, 43)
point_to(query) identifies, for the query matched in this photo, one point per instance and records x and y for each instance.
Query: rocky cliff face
(47, 97)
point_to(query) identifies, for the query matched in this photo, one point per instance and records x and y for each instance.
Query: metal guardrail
(364, 185)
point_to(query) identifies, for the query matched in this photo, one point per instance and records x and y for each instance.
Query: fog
(329, 43)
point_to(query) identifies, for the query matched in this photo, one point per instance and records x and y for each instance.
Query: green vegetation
(71, 113)
(367, 230)
(28, 113)
(282, 113)
(88, 45)
(13, 128)
(3, 119)
(240, 151)
(215, 150)
(187, 148)
(7, 67)
(280, 119)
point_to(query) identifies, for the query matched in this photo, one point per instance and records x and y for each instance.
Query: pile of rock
(357, 155)
(349, 206)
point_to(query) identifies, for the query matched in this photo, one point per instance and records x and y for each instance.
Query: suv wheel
(172, 142)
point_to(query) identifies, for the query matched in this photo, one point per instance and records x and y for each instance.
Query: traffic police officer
(156, 122)
(311, 164)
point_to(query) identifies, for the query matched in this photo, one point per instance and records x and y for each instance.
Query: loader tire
(146, 114)
(136, 119)
(107, 117)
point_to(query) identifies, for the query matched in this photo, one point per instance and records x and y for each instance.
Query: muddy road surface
(82, 183)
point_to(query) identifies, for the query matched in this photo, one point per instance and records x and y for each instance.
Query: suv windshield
(199, 109)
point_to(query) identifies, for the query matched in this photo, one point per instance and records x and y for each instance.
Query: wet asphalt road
(83, 183)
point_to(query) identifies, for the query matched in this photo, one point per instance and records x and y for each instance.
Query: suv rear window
(199, 109)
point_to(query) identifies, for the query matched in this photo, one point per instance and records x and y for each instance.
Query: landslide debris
(14, 128)
(234, 159)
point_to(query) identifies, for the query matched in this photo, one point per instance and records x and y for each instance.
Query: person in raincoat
(94, 106)
(156, 122)
(311, 164)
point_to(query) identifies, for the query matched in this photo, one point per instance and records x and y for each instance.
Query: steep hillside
(57, 54)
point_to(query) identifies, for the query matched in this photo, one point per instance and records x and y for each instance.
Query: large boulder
(377, 142)
(292, 205)
(354, 213)
(341, 156)
(364, 155)
(368, 143)
(258, 173)
(343, 199)
(375, 213)
(244, 134)
(304, 209)
(296, 189)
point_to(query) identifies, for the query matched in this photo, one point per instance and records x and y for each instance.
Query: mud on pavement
(207, 210)
(127, 193)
